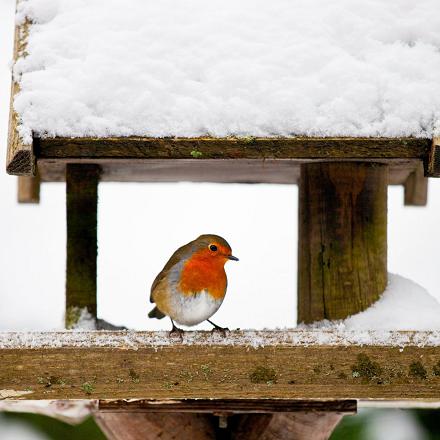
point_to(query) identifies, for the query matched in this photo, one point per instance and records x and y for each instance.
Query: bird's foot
(177, 331)
(217, 328)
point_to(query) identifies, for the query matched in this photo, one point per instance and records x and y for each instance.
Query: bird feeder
(267, 384)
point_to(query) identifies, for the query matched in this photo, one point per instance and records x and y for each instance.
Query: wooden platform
(305, 365)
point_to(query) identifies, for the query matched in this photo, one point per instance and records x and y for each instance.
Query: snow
(227, 68)
(403, 306)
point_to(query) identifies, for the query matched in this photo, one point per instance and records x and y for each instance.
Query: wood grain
(82, 244)
(433, 168)
(156, 426)
(20, 159)
(416, 188)
(283, 171)
(28, 189)
(234, 148)
(121, 368)
(342, 247)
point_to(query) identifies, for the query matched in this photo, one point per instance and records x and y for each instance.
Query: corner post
(342, 241)
(82, 250)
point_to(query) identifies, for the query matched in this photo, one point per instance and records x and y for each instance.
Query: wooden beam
(400, 366)
(287, 426)
(281, 171)
(20, 159)
(28, 189)
(416, 188)
(146, 426)
(81, 203)
(234, 148)
(227, 406)
(342, 257)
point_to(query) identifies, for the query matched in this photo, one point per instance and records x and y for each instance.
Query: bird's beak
(231, 257)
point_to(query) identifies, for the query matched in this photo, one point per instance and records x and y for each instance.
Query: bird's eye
(213, 247)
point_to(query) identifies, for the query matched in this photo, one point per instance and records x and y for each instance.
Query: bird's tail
(156, 313)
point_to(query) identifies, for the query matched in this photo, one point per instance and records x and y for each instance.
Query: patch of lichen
(72, 316)
(416, 369)
(135, 378)
(263, 375)
(48, 381)
(366, 369)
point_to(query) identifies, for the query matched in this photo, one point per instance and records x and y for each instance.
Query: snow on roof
(229, 68)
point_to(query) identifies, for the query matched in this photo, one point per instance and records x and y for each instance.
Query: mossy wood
(125, 365)
(342, 252)
(81, 202)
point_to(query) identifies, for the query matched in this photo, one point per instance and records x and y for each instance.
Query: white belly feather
(194, 309)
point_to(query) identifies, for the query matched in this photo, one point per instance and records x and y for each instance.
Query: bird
(192, 285)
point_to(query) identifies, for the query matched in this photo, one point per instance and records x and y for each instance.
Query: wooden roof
(232, 159)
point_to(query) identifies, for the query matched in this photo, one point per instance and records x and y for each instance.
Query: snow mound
(229, 68)
(403, 306)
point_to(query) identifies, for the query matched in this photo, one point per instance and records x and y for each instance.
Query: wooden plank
(82, 246)
(20, 159)
(400, 366)
(233, 148)
(433, 168)
(342, 248)
(416, 188)
(28, 189)
(146, 426)
(284, 171)
(227, 406)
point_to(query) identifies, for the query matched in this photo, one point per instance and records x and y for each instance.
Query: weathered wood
(20, 158)
(433, 168)
(228, 406)
(82, 203)
(245, 365)
(416, 188)
(28, 189)
(210, 170)
(234, 148)
(342, 258)
(128, 426)
(286, 426)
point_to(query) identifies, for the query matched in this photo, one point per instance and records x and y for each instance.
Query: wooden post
(155, 426)
(301, 425)
(28, 189)
(342, 258)
(81, 201)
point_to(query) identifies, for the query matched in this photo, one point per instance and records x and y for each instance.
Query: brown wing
(175, 258)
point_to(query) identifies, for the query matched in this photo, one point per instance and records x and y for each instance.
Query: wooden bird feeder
(287, 386)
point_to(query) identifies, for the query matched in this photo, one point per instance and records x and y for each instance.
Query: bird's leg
(177, 330)
(223, 330)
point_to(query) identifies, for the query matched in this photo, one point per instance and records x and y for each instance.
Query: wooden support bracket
(416, 188)
(28, 189)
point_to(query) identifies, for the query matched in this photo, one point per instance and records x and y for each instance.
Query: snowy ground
(220, 68)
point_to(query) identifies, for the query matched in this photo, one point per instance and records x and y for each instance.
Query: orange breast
(203, 272)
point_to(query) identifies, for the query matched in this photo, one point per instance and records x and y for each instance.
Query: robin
(192, 285)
